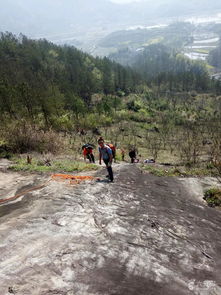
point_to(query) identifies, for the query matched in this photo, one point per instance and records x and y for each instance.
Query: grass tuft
(56, 166)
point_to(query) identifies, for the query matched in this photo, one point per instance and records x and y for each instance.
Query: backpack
(112, 147)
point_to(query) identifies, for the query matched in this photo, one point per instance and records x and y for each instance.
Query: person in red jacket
(88, 154)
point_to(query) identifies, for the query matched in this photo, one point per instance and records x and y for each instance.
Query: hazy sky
(125, 1)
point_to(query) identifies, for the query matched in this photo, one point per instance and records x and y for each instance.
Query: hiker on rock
(132, 155)
(105, 153)
(88, 153)
(122, 154)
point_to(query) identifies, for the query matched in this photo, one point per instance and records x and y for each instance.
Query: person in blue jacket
(105, 153)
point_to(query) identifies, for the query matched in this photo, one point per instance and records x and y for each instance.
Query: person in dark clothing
(105, 153)
(132, 155)
(122, 154)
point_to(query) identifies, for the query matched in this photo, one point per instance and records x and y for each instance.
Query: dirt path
(140, 235)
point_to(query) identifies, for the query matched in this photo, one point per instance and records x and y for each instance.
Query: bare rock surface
(4, 165)
(140, 235)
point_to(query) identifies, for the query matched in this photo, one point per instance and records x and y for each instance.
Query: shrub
(24, 138)
(213, 197)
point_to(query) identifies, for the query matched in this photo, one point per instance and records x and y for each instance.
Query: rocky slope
(140, 235)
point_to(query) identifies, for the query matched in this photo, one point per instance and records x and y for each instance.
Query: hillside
(48, 93)
(50, 79)
(194, 40)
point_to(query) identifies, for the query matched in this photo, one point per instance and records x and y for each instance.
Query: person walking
(122, 154)
(88, 153)
(105, 153)
(132, 155)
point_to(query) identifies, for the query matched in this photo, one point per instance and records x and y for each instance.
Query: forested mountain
(47, 91)
(159, 63)
(166, 67)
(38, 77)
(175, 35)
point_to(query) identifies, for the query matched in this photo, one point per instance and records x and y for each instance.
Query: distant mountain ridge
(48, 17)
